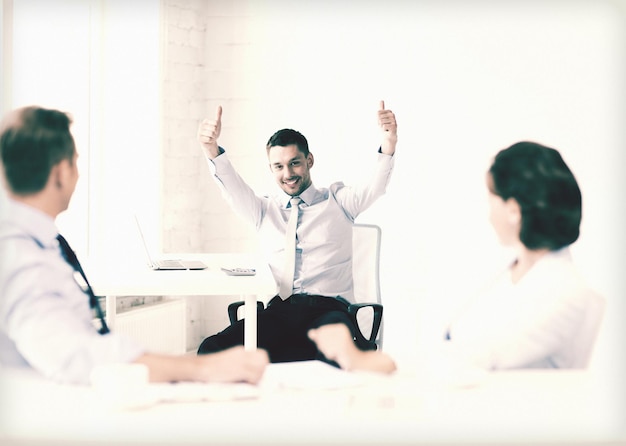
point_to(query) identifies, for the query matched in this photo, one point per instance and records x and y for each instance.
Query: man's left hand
(389, 129)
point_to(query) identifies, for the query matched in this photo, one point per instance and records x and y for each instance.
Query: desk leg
(111, 309)
(249, 325)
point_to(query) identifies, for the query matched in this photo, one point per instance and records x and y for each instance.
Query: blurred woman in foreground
(538, 313)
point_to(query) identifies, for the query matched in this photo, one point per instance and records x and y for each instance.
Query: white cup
(122, 386)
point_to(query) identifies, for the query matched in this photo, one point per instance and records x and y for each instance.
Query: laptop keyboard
(169, 263)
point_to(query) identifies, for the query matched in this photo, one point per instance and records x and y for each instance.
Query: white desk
(522, 407)
(134, 278)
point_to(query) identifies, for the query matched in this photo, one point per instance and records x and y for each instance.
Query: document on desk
(311, 375)
(185, 392)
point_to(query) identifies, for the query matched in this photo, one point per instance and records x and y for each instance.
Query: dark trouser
(282, 327)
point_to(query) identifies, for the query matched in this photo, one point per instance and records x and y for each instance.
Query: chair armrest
(353, 309)
(233, 307)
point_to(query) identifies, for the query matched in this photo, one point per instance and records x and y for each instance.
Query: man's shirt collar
(307, 197)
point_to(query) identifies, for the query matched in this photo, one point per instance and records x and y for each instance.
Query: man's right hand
(208, 133)
(234, 364)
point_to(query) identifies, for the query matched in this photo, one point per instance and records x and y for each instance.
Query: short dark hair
(537, 177)
(32, 141)
(287, 137)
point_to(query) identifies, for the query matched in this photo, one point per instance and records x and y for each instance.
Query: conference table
(311, 402)
(306, 402)
(133, 277)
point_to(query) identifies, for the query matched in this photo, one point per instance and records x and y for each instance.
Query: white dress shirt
(45, 317)
(528, 324)
(324, 233)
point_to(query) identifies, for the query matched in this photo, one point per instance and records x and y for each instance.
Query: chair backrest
(366, 273)
(585, 339)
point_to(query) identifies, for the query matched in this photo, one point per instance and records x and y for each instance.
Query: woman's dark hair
(546, 190)
(32, 141)
(287, 137)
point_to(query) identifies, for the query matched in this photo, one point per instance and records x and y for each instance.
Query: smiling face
(291, 168)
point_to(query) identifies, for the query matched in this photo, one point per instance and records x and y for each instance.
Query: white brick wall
(195, 217)
(199, 73)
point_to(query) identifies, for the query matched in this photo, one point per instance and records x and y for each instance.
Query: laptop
(167, 264)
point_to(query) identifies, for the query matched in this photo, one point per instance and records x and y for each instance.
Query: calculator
(239, 271)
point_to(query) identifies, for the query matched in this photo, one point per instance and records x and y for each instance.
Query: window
(98, 60)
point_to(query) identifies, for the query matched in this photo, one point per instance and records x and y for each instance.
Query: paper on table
(183, 392)
(125, 386)
(311, 375)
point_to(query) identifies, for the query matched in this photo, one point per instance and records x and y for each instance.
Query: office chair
(367, 311)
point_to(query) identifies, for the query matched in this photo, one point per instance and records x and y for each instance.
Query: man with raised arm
(313, 267)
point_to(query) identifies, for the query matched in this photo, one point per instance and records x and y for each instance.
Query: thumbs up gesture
(208, 133)
(389, 129)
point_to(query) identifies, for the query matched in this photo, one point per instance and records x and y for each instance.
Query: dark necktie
(286, 283)
(71, 258)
